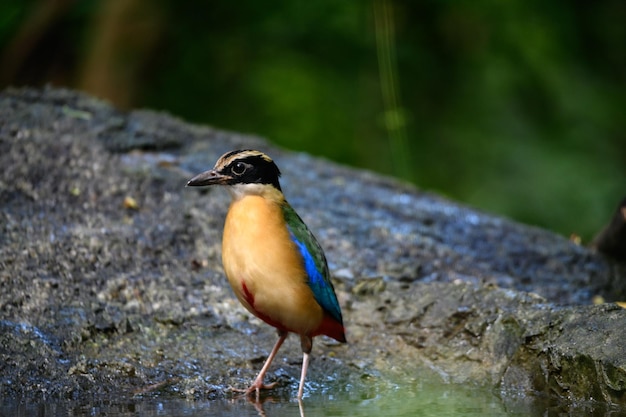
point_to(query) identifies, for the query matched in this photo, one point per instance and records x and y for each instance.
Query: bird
(274, 264)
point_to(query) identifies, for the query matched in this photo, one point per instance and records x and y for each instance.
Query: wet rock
(100, 296)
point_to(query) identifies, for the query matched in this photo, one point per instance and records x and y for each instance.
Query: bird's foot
(255, 388)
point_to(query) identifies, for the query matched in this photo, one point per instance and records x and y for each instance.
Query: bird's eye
(239, 168)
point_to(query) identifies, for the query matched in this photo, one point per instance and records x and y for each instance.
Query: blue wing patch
(322, 288)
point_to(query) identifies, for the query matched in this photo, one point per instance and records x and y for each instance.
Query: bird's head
(246, 170)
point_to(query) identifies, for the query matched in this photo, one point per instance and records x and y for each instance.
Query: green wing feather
(314, 262)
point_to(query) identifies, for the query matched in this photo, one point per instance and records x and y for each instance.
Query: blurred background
(515, 107)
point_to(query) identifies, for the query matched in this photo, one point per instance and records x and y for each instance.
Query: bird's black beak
(210, 177)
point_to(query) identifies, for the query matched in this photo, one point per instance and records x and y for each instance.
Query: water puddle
(425, 398)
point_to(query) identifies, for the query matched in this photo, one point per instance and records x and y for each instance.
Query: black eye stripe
(250, 168)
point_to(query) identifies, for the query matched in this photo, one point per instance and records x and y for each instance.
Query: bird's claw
(255, 388)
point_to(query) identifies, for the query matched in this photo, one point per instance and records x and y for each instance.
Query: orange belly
(265, 268)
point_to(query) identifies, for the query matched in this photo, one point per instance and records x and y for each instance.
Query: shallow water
(414, 399)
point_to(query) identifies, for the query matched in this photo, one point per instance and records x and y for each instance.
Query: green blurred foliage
(514, 107)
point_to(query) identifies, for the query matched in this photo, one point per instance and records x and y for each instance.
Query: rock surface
(111, 280)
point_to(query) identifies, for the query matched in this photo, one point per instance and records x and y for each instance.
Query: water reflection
(416, 399)
(258, 406)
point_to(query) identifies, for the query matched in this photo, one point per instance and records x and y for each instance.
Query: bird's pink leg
(258, 384)
(307, 344)
(305, 366)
